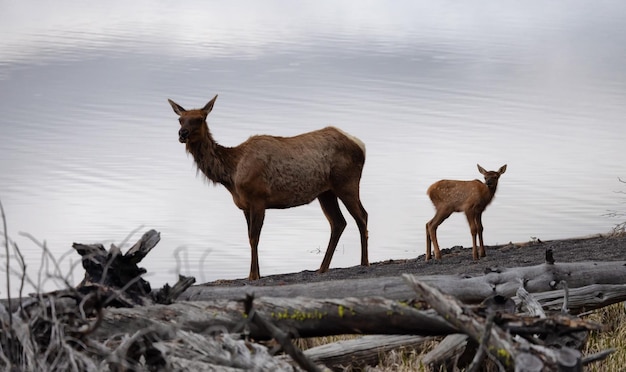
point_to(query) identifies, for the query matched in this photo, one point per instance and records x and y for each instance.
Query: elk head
(491, 177)
(193, 125)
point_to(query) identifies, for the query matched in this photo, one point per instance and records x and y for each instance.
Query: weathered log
(582, 299)
(116, 272)
(116, 276)
(467, 289)
(443, 355)
(302, 317)
(167, 295)
(361, 351)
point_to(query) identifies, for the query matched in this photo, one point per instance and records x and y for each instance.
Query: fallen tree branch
(467, 289)
(508, 351)
(116, 271)
(460, 319)
(117, 276)
(598, 356)
(582, 299)
(482, 345)
(362, 351)
(167, 295)
(302, 317)
(444, 354)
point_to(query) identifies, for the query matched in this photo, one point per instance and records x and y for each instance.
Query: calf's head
(491, 177)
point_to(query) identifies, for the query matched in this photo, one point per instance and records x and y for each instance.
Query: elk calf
(471, 197)
(281, 172)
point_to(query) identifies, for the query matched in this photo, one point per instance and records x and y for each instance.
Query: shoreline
(458, 260)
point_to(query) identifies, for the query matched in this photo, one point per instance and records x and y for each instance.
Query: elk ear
(178, 109)
(481, 169)
(209, 106)
(502, 169)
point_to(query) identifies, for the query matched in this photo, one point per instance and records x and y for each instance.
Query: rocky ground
(458, 260)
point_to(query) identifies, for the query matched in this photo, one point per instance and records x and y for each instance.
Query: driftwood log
(467, 289)
(118, 277)
(363, 351)
(301, 317)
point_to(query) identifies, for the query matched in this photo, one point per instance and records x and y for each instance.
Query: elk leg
(354, 206)
(479, 225)
(428, 243)
(254, 218)
(330, 207)
(431, 228)
(471, 219)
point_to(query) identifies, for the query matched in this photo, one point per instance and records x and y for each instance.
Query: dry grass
(614, 318)
(405, 360)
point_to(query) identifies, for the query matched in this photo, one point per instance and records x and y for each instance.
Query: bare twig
(47, 255)
(280, 336)
(598, 356)
(179, 260)
(564, 308)
(482, 347)
(8, 264)
(201, 264)
(22, 262)
(167, 295)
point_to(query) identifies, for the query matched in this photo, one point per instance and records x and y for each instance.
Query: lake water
(89, 150)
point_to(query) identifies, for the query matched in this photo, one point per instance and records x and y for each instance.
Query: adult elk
(471, 197)
(267, 172)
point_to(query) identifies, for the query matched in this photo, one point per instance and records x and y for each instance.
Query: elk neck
(216, 162)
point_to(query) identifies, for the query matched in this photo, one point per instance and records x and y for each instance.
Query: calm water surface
(89, 149)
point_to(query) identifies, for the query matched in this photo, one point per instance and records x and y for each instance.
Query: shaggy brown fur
(281, 172)
(471, 197)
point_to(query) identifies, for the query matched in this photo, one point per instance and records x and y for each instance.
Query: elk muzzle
(183, 134)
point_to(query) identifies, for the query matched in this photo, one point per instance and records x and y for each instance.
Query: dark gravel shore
(458, 260)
